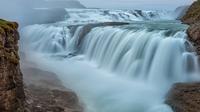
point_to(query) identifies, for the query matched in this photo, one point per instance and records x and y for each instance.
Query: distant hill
(36, 11)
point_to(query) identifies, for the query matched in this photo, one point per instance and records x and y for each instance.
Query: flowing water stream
(127, 68)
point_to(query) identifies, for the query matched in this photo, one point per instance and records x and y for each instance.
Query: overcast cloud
(136, 4)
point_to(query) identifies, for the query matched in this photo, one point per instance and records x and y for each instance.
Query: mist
(27, 12)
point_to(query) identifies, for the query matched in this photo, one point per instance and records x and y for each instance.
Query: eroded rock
(11, 85)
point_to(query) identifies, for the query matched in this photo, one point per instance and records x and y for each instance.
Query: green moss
(8, 53)
(7, 26)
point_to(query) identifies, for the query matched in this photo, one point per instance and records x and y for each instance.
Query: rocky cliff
(185, 97)
(192, 17)
(11, 85)
(193, 13)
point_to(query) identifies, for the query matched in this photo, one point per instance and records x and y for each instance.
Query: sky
(136, 4)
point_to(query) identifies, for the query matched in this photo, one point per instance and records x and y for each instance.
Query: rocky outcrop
(193, 14)
(185, 97)
(194, 36)
(192, 18)
(11, 85)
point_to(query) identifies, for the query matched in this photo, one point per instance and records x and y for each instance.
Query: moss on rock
(9, 41)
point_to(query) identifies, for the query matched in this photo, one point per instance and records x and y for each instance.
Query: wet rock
(194, 36)
(45, 92)
(40, 99)
(185, 97)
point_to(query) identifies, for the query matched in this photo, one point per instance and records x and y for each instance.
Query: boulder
(185, 97)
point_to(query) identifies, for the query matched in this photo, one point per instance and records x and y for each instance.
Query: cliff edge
(11, 85)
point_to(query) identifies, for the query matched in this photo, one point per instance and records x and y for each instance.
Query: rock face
(194, 36)
(11, 85)
(46, 100)
(193, 14)
(192, 17)
(185, 97)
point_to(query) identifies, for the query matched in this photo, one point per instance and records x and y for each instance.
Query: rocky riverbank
(185, 97)
(45, 93)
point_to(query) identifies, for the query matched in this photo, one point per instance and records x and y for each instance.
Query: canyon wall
(11, 85)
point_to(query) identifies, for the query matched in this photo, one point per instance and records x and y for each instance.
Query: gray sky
(136, 4)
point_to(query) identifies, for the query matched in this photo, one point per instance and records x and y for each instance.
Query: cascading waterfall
(117, 69)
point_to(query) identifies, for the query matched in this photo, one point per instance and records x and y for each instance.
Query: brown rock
(185, 97)
(11, 85)
(45, 92)
(192, 17)
(193, 14)
(47, 100)
(194, 36)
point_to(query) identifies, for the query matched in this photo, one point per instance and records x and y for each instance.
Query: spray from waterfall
(116, 69)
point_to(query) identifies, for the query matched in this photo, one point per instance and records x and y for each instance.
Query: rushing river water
(127, 68)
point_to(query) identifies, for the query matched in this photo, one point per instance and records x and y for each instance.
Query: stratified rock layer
(11, 85)
(185, 97)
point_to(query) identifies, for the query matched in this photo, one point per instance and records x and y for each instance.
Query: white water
(80, 16)
(116, 69)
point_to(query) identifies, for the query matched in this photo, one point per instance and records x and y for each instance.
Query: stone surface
(193, 14)
(192, 18)
(194, 36)
(11, 84)
(40, 99)
(185, 97)
(45, 92)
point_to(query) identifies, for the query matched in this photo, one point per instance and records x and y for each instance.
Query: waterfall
(126, 68)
